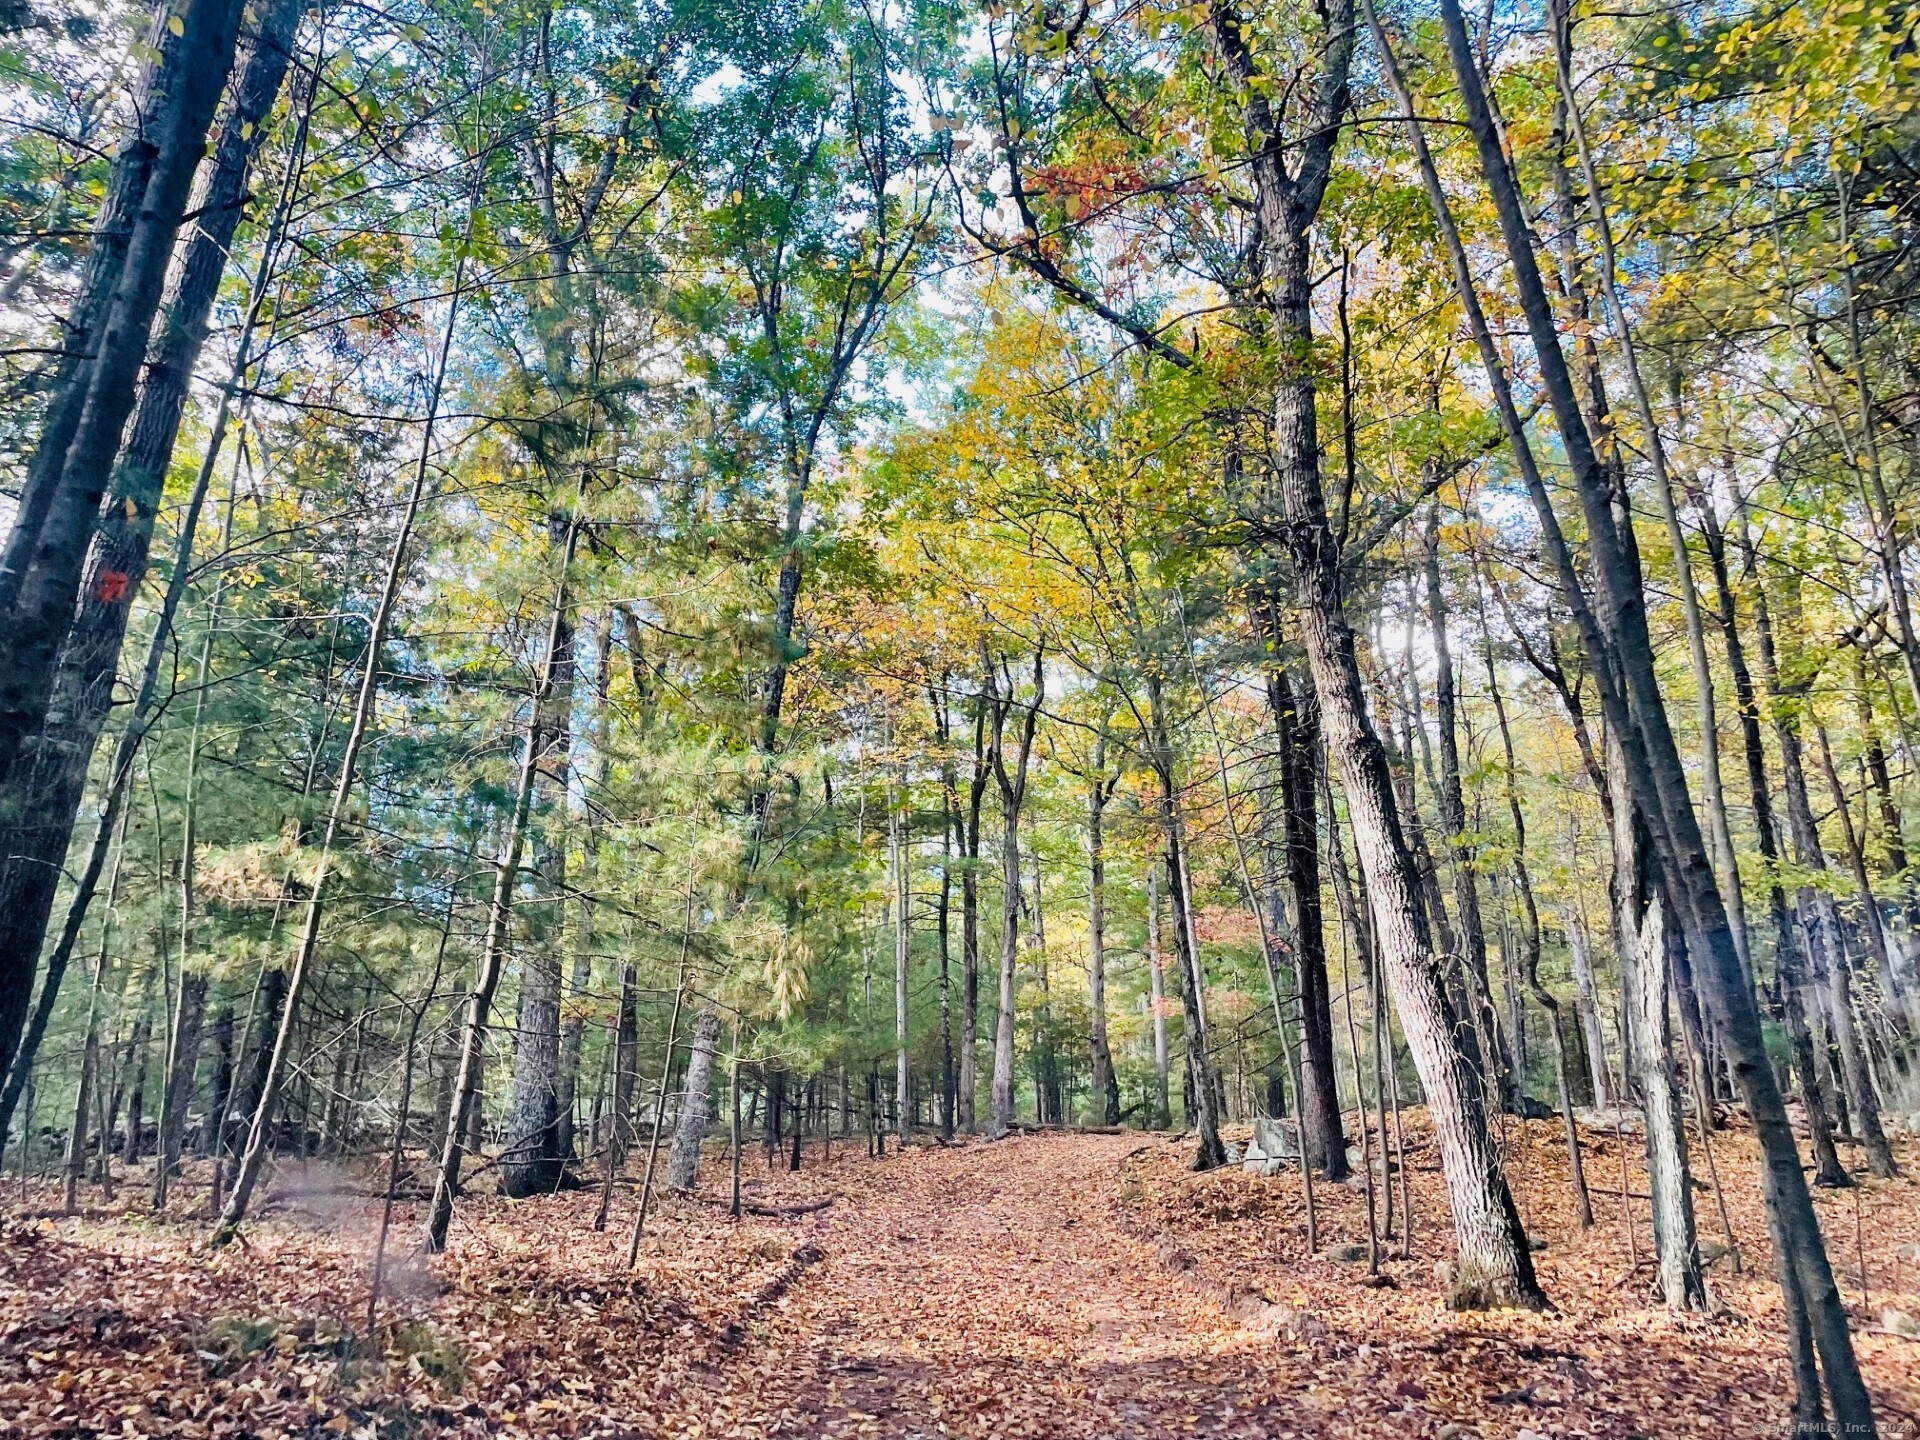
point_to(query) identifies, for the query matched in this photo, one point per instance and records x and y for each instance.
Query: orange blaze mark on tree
(111, 588)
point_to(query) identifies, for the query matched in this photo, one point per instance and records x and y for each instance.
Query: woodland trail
(1068, 1286)
(980, 1279)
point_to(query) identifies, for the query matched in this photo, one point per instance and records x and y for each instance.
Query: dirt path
(991, 1289)
(1047, 1285)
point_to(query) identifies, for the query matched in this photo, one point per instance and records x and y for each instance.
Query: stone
(1900, 1323)
(1347, 1254)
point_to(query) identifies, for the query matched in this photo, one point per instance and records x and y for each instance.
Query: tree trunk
(1104, 1085)
(1495, 1052)
(138, 1044)
(1727, 869)
(969, 1081)
(1644, 938)
(462, 1107)
(1825, 941)
(248, 1170)
(1495, 1266)
(696, 1104)
(949, 822)
(1157, 997)
(220, 1098)
(1587, 1003)
(1203, 1105)
(40, 798)
(1297, 733)
(1530, 933)
(1013, 794)
(1637, 715)
(902, 938)
(80, 438)
(183, 1059)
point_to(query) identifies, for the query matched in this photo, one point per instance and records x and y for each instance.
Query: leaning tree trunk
(59, 505)
(1494, 1265)
(247, 1172)
(506, 876)
(1826, 950)
(1637, 714)
(41, 795)
(1530, 931)
(1789, 962)
(1495, 1053)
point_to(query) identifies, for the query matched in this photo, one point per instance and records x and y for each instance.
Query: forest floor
(1062, 1284)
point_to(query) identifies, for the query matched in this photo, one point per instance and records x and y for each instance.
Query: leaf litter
(1059, 1284)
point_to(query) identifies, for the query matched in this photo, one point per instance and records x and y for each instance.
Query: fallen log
(782, 1212)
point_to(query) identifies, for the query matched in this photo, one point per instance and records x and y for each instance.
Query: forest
(959, 717)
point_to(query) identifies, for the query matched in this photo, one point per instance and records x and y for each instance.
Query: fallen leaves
(1056, 1285)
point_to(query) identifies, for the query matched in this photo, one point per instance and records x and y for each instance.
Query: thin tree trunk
(949, 821)
(1204, 1106)
(506, 876)
(666, 1075)
(1157, 997)
(1728, 871)
(1104, 1084)
(1268, 946)
(969, 1081)
(625, 1076)
(902, 938)
(1495, 1053)
(1530, 937)
(248, 1171)
(1013, 794)
(397, 1154)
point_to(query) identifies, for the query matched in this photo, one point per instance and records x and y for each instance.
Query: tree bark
(902, 938)
(1495, 1052)
(1157, 997)
(41, 794)
(1636, 712)
(80, 438)
(1644, 938)
(696, 1103)
(969, 1081)
(1104, 1085)
(1297, 731)
(1013, 794)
